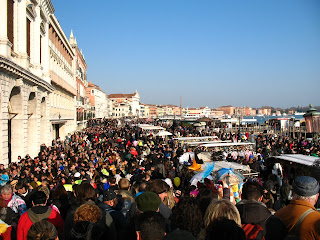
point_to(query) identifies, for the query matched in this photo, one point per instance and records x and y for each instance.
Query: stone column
(20, 33)
(35, 53)
(45, 55)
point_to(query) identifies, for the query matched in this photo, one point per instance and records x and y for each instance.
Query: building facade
(229, 110)
(125, 105)
(62, 100)
(144, 111)
(80, 70)
(98, 102)
(24, 77)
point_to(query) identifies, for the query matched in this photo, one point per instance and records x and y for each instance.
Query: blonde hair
(221, 208)
(87, 212)
(169, 200)
(45, 190)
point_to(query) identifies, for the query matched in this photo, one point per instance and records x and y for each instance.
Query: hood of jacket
(253, 212)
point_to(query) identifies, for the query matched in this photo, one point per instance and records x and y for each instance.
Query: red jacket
(28, 218)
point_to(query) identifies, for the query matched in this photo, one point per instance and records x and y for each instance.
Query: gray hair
(304, 198)
(6, 188)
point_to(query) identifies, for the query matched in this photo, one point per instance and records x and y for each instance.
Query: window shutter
(10, 21)
(28, 36)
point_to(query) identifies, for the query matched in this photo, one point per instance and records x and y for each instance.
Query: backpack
(253, 231)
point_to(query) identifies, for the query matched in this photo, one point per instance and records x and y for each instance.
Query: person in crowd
(88, 224)
(60, 198)
(16, 203)
(150, 225)
(125, 196)
(255, 214)
(186, 215)
(300, 216)
(7, 215)
(223, 228)
(251, 208)
(42, 230)
(35, 214)
(109, 204)
(161, 188)
(85, 194)
(221, 208)
(204, 198)
(23, 191)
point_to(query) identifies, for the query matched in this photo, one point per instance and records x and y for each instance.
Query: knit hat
(305, 186)
(148, 201)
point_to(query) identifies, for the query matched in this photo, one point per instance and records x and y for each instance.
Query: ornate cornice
(11, 67)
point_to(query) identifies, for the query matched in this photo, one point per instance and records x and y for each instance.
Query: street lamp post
(312, 118)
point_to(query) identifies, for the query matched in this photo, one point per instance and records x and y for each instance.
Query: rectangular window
(28, 37)
(10, 21)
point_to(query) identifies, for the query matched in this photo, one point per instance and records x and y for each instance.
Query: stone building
(229, 110)
(80, 70)
(62, 100)
(98, 101)
(153, 110)
(125, 105)
(144, 110)
(24, 77)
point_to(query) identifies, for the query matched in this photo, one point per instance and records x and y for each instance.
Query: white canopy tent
(195, 138)
(207, 142)
(299, 158)
(163, 133)
(149, 127)
(227, 144)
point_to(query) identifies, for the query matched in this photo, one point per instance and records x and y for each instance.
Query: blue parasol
(231, 175)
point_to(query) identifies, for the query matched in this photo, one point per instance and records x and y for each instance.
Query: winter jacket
(37, 214)
(253, 212)
(310, 226)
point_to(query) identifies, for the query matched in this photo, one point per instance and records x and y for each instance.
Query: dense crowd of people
(114, 180)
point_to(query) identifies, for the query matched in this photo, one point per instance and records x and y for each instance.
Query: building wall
(24, 78)
(63, 105)
(80, 70)
(100, 104)
(227, 110)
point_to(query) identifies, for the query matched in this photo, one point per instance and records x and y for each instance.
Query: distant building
(80, 70)
(216, 113)
(125, 105)
(264, 111)
(152, 110)
(144, 111)
(229, 110)
(98, 101)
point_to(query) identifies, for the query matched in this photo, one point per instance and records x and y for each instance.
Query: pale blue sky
(209, 52)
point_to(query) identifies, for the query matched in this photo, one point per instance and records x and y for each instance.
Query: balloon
(177, 181)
